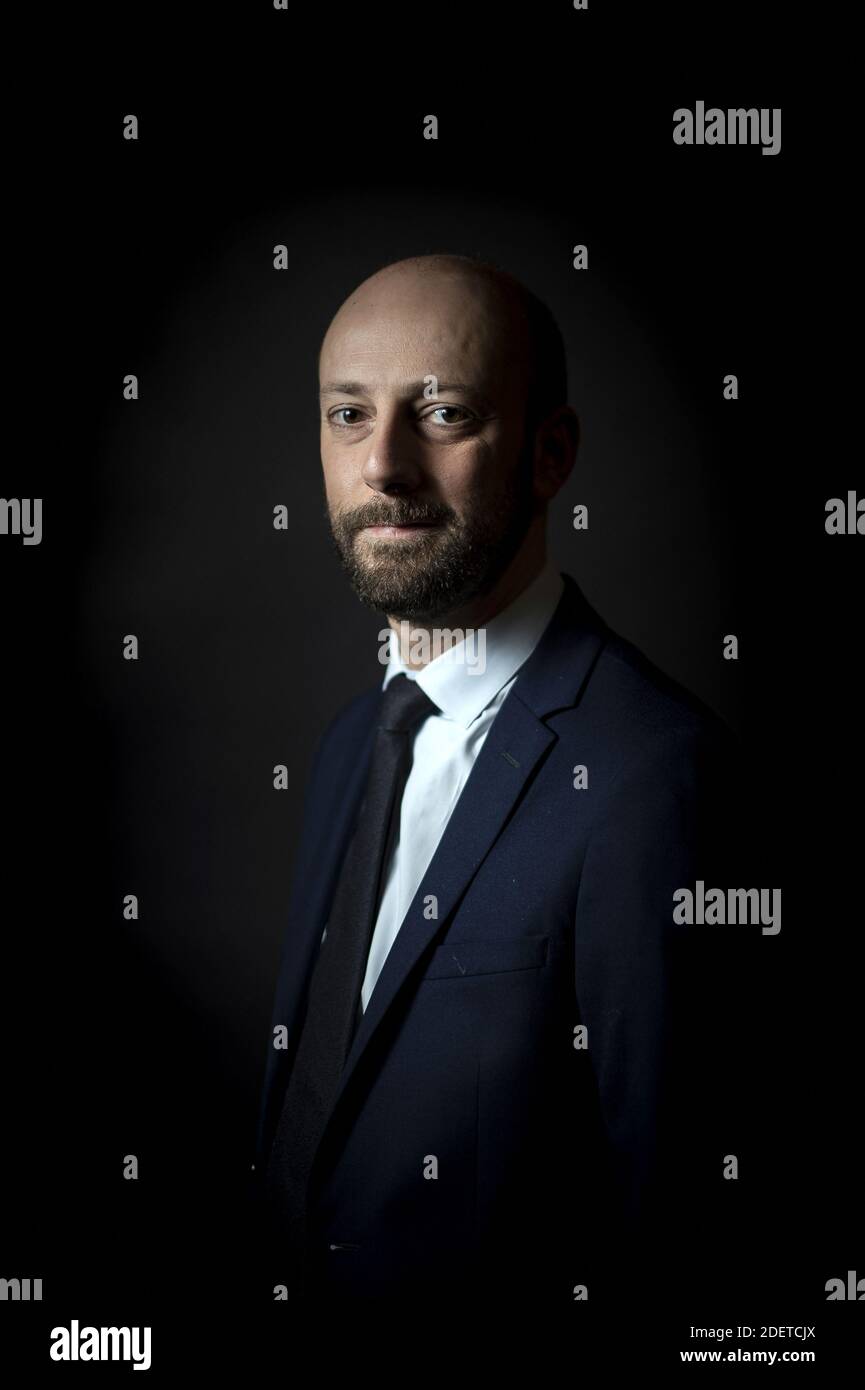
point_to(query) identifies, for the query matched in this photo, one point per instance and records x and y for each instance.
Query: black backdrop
(155, 777)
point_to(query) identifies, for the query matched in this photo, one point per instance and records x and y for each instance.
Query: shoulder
(597, 689)
(349, 726)
(641, 723)
(666, 771)
(647, 698)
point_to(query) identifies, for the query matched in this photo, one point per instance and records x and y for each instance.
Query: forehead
(406, 326)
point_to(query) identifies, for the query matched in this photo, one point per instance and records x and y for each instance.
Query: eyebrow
(417, 388)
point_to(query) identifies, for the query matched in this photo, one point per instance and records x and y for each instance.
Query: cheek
(468, 472)
(336, 478)
(487, 477)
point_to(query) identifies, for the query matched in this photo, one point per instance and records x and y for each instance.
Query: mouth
(411, 529)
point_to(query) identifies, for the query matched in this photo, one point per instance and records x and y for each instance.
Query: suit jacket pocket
(457, 958)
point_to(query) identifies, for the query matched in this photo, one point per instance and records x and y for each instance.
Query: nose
(392, 463)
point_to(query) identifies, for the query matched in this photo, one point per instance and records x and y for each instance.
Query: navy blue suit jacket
(472, 1145)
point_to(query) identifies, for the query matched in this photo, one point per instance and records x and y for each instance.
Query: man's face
(428, 496)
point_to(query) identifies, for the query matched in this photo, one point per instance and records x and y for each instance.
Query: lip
(409, 530)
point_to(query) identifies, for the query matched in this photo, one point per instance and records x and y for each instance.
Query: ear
(557, 442)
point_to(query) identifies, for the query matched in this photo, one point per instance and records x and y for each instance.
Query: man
(496, 1060)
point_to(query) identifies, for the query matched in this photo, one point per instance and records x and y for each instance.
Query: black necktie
(337, 977)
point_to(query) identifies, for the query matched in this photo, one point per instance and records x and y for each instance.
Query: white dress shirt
(446, 744)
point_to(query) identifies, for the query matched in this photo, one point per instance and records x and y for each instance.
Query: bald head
(490, 317)
(444, 432)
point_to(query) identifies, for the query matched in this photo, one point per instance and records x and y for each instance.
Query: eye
(464, 416)
(345, 410)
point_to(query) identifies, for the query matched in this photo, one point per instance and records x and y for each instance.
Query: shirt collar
(467, 677)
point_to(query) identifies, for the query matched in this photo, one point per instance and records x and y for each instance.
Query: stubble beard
(427, 576)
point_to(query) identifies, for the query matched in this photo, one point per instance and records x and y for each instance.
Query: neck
(422, 641)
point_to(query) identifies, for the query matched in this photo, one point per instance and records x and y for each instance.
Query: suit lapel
(518, 739)
(334, 827)
(515, 743)
(319, 859)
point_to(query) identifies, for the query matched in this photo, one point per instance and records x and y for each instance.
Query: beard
(429, 575)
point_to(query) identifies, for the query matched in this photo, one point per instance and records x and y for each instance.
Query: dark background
(155, 777)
